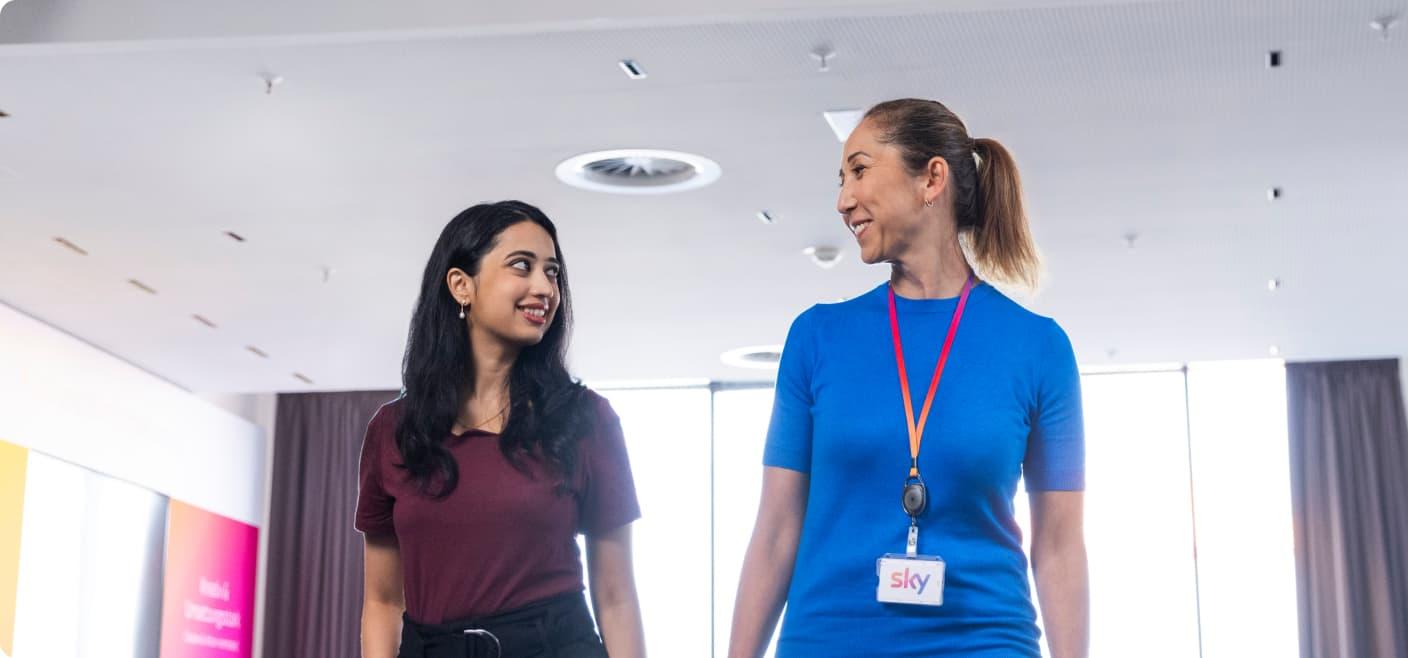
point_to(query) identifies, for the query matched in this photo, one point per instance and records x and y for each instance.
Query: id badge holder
(910, 578)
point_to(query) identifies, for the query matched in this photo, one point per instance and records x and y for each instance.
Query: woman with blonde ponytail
(905, 417)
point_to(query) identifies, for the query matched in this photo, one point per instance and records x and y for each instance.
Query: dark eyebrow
(850, 157)
(529, 255)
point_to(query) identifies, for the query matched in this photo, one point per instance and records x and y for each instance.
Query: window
(1138, 520)
(668, 435)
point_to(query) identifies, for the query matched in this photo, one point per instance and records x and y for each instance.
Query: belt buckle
(482, 633)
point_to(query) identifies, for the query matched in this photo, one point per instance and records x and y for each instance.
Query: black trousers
(558, 627)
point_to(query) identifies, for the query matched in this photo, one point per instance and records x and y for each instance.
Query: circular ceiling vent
(638, 171)
(761, 357)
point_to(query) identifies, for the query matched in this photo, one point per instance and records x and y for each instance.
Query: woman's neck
(493, 363)
(937, 270)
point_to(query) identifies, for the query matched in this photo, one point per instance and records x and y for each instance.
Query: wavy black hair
(546, 410)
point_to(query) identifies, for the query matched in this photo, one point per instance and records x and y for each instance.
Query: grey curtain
(1349, 480)
(313, 604)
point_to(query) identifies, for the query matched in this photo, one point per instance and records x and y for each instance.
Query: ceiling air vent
(638, 171)
(761, 357)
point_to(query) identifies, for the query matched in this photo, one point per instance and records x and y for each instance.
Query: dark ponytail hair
(987, 189)
(546, 409)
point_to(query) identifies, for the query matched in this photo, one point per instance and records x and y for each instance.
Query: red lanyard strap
(916, 431)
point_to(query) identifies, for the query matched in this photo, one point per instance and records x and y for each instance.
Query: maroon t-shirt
(502, 539)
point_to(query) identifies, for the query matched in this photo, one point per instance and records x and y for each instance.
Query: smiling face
(514, 296)
(881, 202)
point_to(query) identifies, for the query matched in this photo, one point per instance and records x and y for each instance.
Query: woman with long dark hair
(476, 481)
(905, 417)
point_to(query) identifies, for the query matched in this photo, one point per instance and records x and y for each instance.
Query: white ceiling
(1155, 118)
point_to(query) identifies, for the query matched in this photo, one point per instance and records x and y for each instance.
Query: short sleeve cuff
(780, 457)
(1056, 480)
(610, 522)
(375, 527)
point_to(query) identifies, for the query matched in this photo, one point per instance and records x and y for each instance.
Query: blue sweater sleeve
(1055, 459)
(789, 442)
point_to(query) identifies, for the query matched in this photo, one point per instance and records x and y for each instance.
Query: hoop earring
(928, 204)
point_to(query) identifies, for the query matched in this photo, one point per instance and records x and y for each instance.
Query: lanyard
(916, 431)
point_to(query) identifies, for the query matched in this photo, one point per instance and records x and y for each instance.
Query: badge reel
(911, 578)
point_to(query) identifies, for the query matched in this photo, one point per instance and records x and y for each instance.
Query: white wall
(262, 410)
(70, 400)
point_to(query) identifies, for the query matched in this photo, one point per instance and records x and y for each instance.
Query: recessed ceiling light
(203, 320)
(3, 113)
(1273, 59)
(823, 257)
(843, 122)
(142, 286)
(257, 352)
(1274, 351)
(632, 69)
(271, 80)
(302, 378)
(765, 217)
(757, 357)
(1383, 24)
(1273, 285)
(71, 246)
(638, 171)
(1273, 194)
(234, 236)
